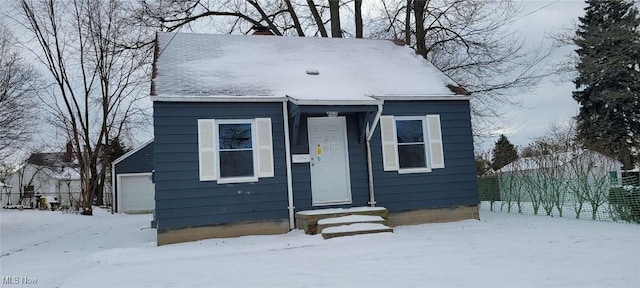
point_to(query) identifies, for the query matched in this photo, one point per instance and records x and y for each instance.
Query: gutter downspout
(113, 188)
(370, 130)
(287, 148)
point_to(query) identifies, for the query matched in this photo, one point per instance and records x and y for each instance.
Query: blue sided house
(252, 132)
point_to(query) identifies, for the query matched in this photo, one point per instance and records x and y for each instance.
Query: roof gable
(131, 152)
(52, 159)
(302, 68)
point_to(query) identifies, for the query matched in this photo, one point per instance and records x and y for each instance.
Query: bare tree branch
(317, 18)
(97, 80)
(19, 87)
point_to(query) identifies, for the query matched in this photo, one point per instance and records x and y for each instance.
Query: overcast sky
(550, 100)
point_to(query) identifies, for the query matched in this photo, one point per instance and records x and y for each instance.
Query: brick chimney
(261, 30)
(68, 153)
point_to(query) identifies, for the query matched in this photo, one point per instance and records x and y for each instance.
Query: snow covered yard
(501, 250)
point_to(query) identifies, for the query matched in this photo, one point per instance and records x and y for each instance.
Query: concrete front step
(308, 220)
(345, 220)
(354, 229)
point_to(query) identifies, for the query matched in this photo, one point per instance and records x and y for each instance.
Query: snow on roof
(62, 173)
(271, 68)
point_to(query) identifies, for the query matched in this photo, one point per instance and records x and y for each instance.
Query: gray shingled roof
(222, 66)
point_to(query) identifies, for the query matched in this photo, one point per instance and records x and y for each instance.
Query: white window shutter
(265, 147)
(389, 151)
(207, 149)
(435, 141)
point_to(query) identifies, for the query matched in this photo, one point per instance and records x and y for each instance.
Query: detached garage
(133, 188)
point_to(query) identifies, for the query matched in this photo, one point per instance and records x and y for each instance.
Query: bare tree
(317, 18)
(470, 40)
(562, 172)
(589, 184)
(357, 13)
(19, 85)
(233, 16)
(334, 9)
(294, 18)
(548, 178)
(97, 82)
(512, 186)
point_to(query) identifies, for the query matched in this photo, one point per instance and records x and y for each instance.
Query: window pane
(236, 163)
(409, 131)
(234, 136)
(412, 156)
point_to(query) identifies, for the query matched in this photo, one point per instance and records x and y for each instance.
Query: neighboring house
(572, 169)
(249, 130)
(133, 190)
(4, 190)
(45, 174)
(570, 164)
(632, 177)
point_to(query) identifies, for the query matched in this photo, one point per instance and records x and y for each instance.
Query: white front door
(330, 181)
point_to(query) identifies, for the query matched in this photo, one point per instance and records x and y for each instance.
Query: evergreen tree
(608, 85)
(503, 153)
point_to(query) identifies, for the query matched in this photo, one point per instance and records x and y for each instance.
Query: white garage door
(136, 193)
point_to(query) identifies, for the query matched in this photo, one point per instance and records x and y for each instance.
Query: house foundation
(271, 227)
(435, 215)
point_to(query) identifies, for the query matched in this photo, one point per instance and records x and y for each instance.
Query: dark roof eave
(459, 90)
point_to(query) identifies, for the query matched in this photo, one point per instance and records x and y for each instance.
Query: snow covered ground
(502, 250)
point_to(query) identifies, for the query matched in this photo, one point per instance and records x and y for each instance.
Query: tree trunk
(294, 17)
(407, 24)
(265, 17)
(418, 8)
(358, 16)
(98, 186)
(334, 9)
(317, 18)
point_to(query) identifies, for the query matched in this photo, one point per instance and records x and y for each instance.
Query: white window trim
(254, 150)
(425, 140)
(389, 139)
(208, 152)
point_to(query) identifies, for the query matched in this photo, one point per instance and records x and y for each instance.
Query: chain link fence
(600, 198)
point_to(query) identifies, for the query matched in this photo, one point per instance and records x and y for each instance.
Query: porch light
(332, 113)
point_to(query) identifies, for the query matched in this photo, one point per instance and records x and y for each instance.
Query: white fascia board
(421, 97)
(218, 98)
(125, 155)
(303, 102)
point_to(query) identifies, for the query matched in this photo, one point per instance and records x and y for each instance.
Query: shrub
(488, 187)
(625, 203)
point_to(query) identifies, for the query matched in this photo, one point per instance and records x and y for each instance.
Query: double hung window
(411, 144)
(235, 151)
